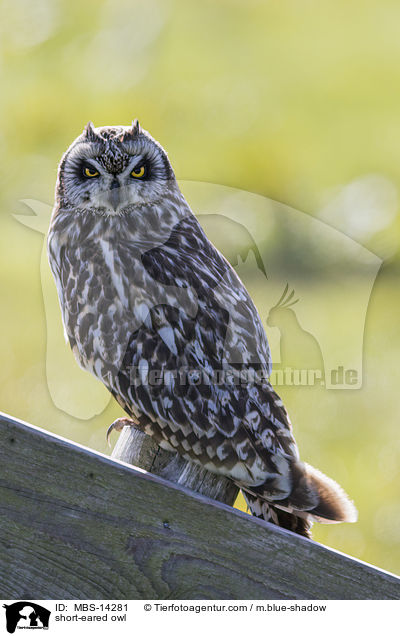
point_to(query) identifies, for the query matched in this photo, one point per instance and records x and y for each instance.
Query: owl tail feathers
(332, 505)
(314, 497)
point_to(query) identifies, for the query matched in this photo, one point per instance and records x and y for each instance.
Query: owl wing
(192, 392)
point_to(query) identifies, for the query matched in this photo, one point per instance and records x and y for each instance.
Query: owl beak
(114, 195)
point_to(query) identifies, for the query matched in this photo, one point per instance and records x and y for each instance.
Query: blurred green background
(295, 101)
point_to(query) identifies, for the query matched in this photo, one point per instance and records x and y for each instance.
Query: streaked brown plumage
(145, 295)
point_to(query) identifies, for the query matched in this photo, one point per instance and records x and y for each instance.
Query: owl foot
(118, 425)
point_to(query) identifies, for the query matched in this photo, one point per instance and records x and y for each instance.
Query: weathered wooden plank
(76, 524)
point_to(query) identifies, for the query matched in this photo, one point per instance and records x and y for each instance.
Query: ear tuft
(135, 131)
(89, 132)
(132, 132)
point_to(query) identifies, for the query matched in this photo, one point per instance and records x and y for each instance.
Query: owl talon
(118, 425)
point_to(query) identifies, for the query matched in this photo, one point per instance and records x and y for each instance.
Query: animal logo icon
(26, 615)
(299, 349)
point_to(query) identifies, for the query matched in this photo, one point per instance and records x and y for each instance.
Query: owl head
(112, 169)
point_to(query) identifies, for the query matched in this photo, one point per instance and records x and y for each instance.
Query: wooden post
(137, 448)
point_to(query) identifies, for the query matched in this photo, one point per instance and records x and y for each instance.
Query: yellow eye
(90, 172)
(138, 172)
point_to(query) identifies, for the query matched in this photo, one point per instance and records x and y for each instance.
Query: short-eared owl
(154, 311)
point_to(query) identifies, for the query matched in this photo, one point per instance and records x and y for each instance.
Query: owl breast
(107, 293)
